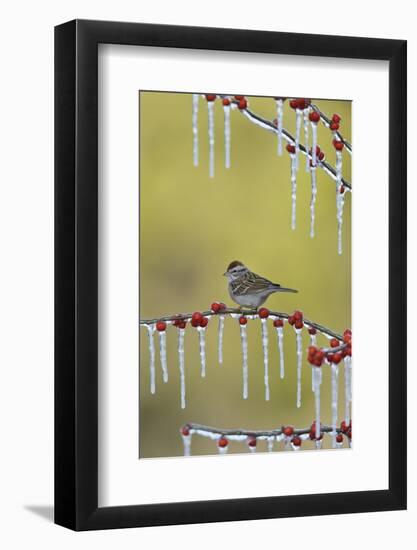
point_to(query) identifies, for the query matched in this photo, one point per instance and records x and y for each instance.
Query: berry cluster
(240, 100)
(313, 435)
(179, 323)
(319, 153)
(316, 356)
(335, 122)
(198, 320)
(338, 145)
(314, 116)
(300, 103)
(296, 320)
(217, 307)
(346, 429)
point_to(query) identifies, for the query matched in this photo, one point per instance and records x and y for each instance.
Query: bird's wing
(253, 284)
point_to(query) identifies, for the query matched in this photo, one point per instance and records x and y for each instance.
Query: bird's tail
(283, 289)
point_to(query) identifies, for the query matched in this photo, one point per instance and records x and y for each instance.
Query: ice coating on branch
(306, 135)
(265, 353)
(244, 342)
(293, 189)
(181, 337)
(280, 116)
(210, 109)
(317, 374)
(202, 343)
(163, 354)
(220, 339)
(348, 387)
(298, 120)
(335, 372)
(313, 199)
(195, 129)
(227, 135)
(280, 337)
(151, 331)
(340, 203)
(299, 348)
(314, 143)
(186, 441)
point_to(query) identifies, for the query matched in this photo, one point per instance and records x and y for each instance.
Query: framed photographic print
(230, 212)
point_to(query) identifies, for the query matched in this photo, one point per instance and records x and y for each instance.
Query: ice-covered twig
(265, 354)
(195, 128)
(212, 432)
(326, 121)
(220, 339)
(151, 331)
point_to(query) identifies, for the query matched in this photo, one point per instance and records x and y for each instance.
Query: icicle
(202, 341)
(181, 335)
(227, 134)
(265, 352)
(298, 119)
(287, 443)
(335, 372)
(340, 202)
(222, 450)
(319, 443)
(314, 143)
(280, 115)
(299, 344)
(186, 440)
(313, 339)
(293, 189)
(306, 112)
(163, 354)
(151, 332)
(244, 341)
(317, 374)
(348, 387)
(313, 199)
(280, 336)
(271, 444)
(220, 339)
(338, 169)
(210, 107)
(195, 129)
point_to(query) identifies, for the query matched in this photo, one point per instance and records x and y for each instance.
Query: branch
(268, 125)
(244, 312)
(326, 121)
(196, 428)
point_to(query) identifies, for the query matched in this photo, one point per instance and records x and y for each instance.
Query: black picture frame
(76, 272)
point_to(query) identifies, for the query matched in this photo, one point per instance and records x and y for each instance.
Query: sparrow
(249, 289)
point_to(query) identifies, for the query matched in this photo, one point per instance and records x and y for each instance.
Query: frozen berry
(182, 324)
(210, 97)
(298, 315)
(290, 148)
(239, 97)
(252, 441)
(288, 431)
(337, 357)
(223, 442)
(185, 430)
(196, 316)
(243, 320)
(204, 322)
(314, 116)
(263, 313)
(226, 101)
(242, 104)
(312, 331)
(334, 342)
(321, 155)
(278, 323)
(336, 118)
(294, 103)
(161, 326)
(215, 307)
(338, 145)
(296, 441)
(298, 324)
(334, 126)
(291, 320)
(339, 438)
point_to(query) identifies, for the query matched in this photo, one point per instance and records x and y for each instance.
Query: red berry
(338, 145)
(252, 441)
(301, 104)
(161, 326)
(298, 315)
(348, 351)
(243, 320)
(330, 357)
(339, 438)
(334, 342)
(334, 126)
(290, 148)
(298, 325)
(242, 104)
(312, 330)
(348, 331)
(185, 430)
(341, 189)
(294, 103)
(204, 322)
(226, 101)
(288, 431)
(196, 316)
(239, 97)
(320, 354)
(336, 118)
(182, 324)
(296, 441)
(314, 116)
(317, 362)
(223, 442)
(337, 357)
(321, 155)
(291, 320)
(215, 307)
(210, 97)
(344, 427)
(278, 323)
(349, 434)
(263, 313)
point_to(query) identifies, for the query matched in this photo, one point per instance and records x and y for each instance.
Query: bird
(249, 289)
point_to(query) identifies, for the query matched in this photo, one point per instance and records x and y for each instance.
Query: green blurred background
(192, 226)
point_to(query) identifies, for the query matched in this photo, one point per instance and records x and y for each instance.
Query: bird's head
(235, 270)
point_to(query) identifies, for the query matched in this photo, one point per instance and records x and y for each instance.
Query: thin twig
(193, 427)
(244, 312)
(326, 121)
